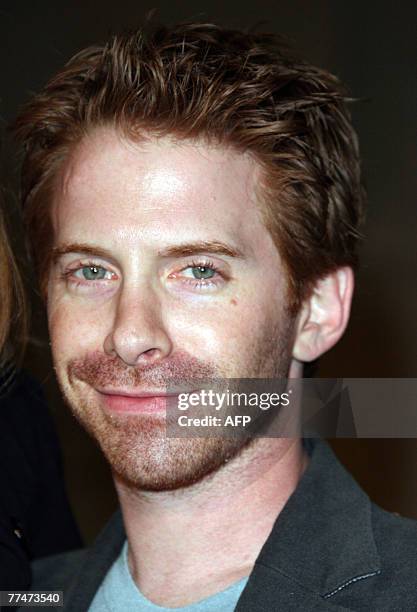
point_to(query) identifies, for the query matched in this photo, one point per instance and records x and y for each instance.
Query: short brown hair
(244, 90)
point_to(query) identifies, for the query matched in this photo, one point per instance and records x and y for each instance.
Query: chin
(155, 463)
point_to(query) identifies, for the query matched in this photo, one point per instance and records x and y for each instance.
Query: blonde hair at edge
(12, 301)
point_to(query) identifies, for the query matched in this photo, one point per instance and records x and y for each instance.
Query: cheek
(218, 332)
(73, 331)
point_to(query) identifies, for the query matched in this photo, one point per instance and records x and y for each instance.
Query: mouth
(124, 401)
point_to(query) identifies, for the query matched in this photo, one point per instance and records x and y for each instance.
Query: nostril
(150, 354)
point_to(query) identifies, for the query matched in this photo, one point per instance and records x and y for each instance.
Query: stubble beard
(136, 446)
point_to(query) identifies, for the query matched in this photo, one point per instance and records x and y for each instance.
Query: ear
(324, 315)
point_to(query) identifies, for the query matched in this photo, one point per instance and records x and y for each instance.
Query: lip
(123, 401)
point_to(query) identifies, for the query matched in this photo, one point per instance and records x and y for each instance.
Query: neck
(188, 544)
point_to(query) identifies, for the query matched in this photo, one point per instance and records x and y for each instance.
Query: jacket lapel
(271, 591)
(322, 542)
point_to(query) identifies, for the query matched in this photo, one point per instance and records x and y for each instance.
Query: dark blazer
(330, 549)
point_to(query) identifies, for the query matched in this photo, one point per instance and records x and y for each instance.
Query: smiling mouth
(123, 401)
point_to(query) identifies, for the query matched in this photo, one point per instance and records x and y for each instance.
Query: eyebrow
(180, 250)
(206, 246)
(80, 247)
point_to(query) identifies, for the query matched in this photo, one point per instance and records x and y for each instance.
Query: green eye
(202, 272)
(91, 273)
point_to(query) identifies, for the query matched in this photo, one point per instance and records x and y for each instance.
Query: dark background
(370, 46)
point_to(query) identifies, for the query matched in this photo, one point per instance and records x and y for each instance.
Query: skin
(147, 320)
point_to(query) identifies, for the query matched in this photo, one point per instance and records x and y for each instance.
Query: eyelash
(199, 284)
(66, 274)
(202, 283)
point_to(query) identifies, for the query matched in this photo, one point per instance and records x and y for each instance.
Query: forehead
(157, 188)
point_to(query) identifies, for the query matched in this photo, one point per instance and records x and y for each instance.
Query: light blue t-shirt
(119, 593)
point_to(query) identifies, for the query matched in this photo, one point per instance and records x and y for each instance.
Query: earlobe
(324, 315)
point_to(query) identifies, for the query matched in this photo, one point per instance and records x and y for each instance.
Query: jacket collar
(321, 542)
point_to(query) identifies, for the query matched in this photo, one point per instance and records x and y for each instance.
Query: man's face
(163, 273)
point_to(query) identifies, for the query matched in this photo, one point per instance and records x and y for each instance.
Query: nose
(138, 335)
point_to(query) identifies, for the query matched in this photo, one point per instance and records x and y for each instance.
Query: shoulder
(393, 583)
(368, 556)
(396, 541)
(57, 572)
